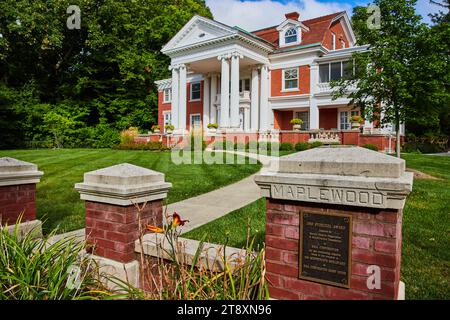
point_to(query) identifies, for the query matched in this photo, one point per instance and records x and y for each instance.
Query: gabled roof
(316, 34)
(200, 31)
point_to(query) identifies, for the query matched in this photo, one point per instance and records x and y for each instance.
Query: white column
(246, 119)
(182, 101)
(213, 109)
(264, 103)
(254, 103)
(175, 95)
(225, 93)
(234, 100)
(313, 108)
(206, 102)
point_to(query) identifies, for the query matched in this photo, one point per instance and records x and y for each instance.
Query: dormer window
(290, 36)
(290, 31)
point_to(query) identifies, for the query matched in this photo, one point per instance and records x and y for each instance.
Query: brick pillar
(112, 223)
(350, 137)
(334, 224)
(18, 181)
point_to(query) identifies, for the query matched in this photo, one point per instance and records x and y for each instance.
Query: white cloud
(424, 8)
(253, 15)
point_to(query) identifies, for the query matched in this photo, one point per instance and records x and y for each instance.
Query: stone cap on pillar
(123, 185)
(15, 172)
(341, 175)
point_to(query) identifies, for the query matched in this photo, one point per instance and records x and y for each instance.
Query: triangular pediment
(288, 23)
(197, 30)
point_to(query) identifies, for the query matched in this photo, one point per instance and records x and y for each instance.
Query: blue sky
(256, 14)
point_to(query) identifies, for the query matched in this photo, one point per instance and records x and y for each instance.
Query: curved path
(215, 204)
(209, 206)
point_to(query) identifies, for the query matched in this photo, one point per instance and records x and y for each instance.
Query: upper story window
(332, 71)
(167, 95)
(290, 79)
(343, 44)
(333, 41)
(290, 36)
(244, 85)
(195, 91)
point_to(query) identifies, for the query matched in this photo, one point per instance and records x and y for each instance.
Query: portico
(258, 82)
(234, 74)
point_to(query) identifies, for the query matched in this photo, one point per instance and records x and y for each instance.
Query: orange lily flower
(155, 229)
(176, 220)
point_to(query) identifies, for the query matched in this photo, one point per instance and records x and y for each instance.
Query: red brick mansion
(257, 82)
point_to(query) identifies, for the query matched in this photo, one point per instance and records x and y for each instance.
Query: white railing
(243, 97)
(326, 137)
(326, 88)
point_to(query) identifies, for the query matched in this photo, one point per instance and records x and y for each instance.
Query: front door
(196, 121)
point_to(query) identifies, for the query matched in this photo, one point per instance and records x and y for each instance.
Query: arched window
(290, 35)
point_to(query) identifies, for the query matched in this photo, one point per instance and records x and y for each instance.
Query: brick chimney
(292, 15)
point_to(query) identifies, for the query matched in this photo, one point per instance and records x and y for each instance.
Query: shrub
(33, 269)
(357, 119)
(127, 136)
(316, 144)
(169, 127)
(151, 146)
(222, 144)
(301, 146)
(240, 146)
(370, 147)
(252, 146)
(195, 139)
(296, 121)
(286, 146)
(213, 125)
(154, 145)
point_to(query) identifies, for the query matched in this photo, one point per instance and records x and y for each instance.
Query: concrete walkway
(215, 204)
(209, 206)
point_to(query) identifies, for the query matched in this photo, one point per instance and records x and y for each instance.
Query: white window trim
(296, 36)
(164, 96)
(190, 91)
(284, 82)
(329, 68)
(164, 119)
(349, 110)
(190, 119)
(333, 41)
(309, 117)
(284, 27)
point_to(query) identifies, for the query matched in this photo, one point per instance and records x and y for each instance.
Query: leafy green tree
(402, 71)
(99, 75)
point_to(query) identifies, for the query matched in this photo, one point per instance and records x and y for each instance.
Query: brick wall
(338, 30)
(161, 108)
(350, 137)
(17, 199)
(193, 107)
(328, 118)
(294, 137)
(112, 230)
(376, 240)
(276, 76)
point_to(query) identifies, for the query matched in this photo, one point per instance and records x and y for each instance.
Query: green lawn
(59, 204)
(426, 229)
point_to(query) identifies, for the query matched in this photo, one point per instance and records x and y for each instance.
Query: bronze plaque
(325, 248)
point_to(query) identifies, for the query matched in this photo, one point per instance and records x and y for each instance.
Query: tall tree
(99, 75)
(399, 74)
